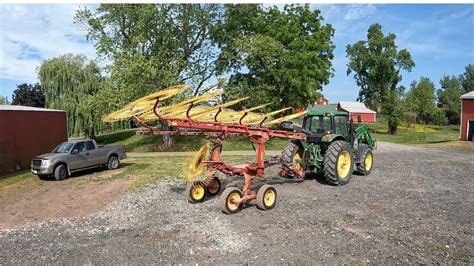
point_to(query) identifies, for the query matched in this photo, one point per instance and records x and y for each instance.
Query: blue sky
(439, 37)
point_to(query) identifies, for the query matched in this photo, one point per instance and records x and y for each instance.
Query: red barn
(26, 132)
(467, 117)
(356, 109)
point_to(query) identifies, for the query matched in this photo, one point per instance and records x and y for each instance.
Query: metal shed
(26, 132)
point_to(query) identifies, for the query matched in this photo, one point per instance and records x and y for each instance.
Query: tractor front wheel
(365, 166)
(338, 163)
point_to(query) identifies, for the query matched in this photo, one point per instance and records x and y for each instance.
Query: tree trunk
(168, 140)
(89, 133)
(392, 128)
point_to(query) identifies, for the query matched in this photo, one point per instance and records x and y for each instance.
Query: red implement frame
(217, 132)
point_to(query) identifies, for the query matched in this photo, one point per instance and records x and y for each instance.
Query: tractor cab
(323, 123)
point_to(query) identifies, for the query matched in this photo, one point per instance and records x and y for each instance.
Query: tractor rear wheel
(338, 163)
(367, 162)
(292, 154)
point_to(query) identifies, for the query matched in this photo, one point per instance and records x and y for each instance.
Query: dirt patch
(35, 200)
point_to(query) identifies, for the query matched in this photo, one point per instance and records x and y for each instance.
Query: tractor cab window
(320, 124)
(341, 125)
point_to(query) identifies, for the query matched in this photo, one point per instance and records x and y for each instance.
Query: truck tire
(338, 163)
(292, 153)
(113, 162)
(367, 161)
(60, 172)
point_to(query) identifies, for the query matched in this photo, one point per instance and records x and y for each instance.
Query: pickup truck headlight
(45, 162)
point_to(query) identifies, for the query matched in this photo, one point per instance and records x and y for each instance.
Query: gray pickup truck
(76, 155)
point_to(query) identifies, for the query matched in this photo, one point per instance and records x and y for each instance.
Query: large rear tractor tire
(338, 163)
(367, 163)
(292, 154)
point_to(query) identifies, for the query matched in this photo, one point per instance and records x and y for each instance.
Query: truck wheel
(365, 166)
(60, 172)
(338, 163)
(292, 154)
(113, 163)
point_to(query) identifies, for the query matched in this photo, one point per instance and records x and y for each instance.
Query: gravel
(415, 207)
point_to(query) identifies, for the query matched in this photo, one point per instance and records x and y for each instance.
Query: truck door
(93, 153)
(78, 157)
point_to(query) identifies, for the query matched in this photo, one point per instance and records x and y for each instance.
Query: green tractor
(335, 147)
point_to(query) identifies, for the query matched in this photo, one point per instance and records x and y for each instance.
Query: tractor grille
(36, 162)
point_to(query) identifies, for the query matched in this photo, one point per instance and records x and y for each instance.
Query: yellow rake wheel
(266, 197)
(230, 200)
(195, 192)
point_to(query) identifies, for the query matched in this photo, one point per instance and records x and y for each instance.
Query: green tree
(282, 57)
(67, 82)
(377, 64)
(4, 100)
(28, 95)
(422, 99)
(151, 47)
(439, 117)
(448, 96)
(467, 79)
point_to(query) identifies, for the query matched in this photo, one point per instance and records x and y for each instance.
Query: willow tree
(68, 81)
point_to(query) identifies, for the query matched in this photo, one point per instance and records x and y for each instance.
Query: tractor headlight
(45, 162)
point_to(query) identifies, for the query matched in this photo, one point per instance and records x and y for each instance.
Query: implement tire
(338, 163)
(292, 153)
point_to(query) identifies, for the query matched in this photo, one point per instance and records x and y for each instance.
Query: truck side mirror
(287, 125)
(75, 151)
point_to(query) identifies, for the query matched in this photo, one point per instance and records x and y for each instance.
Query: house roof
(26, 108)
(469, 95)
(355, 107)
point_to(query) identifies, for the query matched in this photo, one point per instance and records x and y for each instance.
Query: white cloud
(356, 12)
(30, 34)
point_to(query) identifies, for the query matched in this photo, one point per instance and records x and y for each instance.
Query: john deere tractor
(335, 146)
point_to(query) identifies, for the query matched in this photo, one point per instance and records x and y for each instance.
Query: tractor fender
(359, 156)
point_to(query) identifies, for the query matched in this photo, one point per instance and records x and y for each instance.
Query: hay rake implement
(191, 117)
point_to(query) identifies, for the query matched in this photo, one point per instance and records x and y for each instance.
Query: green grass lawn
(422, 135)
(141, 143)
(141, 170)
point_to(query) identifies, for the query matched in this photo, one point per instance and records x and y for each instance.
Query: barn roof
(469, 95)
(355, 107)
(26, 108)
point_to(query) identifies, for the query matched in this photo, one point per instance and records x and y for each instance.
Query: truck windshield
(64, 147)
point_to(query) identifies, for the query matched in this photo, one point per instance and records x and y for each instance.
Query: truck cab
(76, 155)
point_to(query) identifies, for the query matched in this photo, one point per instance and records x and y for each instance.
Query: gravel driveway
(417, 206)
